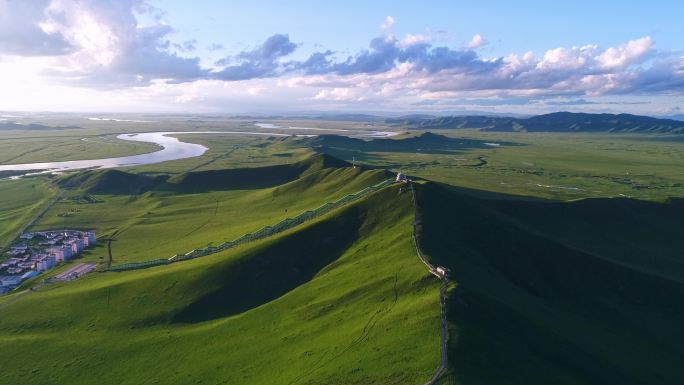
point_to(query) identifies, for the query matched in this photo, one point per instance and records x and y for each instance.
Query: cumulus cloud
(100, 44)
(427, 37)
(104, 45)
(387, 24)
(387, 53)
(476, 41)
(441, 72)
(626, 54)
(23, 31)
(262, 61)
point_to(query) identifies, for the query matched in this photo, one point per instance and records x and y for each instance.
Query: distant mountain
(554, 122)
(17, 126)
(31, 126)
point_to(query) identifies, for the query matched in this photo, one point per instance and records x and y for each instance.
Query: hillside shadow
(233, 179)
(273, 270)
(117, 182)
(588, 291)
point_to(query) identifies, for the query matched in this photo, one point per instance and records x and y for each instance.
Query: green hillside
(340, 300)
(174, 217)
(577, 292)
(252, 178)
(584, 292)
(109, 181)
(21, 201)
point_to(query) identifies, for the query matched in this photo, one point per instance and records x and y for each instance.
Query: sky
(392, 57)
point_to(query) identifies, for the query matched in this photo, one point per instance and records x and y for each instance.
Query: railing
(264, 232)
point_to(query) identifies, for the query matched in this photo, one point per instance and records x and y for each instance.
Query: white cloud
(387, 24)
(25, 30)
(626, 54)
(476, 41)
(567, 58)
(49, 48)
(410, 39)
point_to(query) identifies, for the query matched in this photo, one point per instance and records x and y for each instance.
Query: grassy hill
(253, 178)
(554, 122)
(342, 300)
(583, 292)
(173, 217)
(577, 292)
(21, 201)
(425, 142)
(109, 181)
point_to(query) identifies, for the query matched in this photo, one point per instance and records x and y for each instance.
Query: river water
(171, 149)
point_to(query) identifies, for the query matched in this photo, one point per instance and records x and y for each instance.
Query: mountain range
(554, 122)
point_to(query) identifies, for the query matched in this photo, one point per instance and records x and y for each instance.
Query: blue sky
(394, 57)
(511, 26)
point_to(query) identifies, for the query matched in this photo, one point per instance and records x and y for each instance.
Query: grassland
(551, 165)
(554, 166)
(304, 307)
(173, 218)
(74, 144)
(557, 276)
(21, 201)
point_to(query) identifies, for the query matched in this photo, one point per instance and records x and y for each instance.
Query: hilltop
(554, 122)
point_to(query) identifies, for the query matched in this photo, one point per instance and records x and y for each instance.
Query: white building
(89, 238)
(45, 263)
(58, 253)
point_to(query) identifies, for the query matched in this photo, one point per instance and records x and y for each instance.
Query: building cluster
(37, 252)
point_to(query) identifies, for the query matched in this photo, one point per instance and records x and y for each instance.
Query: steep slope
(117, 182)
(540, 297)
(253, 178)
(167, 220)
(341, 300)
(110, 181)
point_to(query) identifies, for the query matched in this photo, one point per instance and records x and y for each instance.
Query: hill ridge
(553, 122)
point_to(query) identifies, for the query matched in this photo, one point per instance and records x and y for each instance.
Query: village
(36, 252)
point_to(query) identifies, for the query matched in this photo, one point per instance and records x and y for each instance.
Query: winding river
(171, 149)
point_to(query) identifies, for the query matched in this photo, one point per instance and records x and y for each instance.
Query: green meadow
(340, 300)
(564, 250)
(21, 201)
(73, 144)
(561, 166)
(199, 209)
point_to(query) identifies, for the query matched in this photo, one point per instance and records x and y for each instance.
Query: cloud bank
(103, 45)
